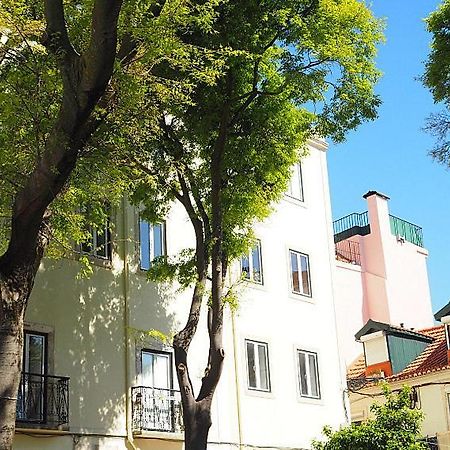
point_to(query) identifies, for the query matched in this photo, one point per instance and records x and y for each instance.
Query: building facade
(381, 273)
(99, 374)
(398, 356)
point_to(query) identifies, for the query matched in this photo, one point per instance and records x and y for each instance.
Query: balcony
(351, 225)
(358, 224)
(406, 230)
(43, 401)
(348, 251)
(156, 409)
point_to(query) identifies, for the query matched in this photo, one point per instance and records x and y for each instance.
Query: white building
(282, 380)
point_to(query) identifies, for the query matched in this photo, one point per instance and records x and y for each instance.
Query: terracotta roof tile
(432, 359)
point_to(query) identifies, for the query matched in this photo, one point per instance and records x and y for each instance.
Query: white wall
(97, 340)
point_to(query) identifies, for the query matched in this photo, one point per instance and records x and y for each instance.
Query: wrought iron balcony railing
(43, 400)
(156, 409)
(348, 251)
(350, 225)
(406, 230)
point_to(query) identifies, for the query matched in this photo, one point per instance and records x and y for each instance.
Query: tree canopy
(437, 79)
(290, 71)
(31, 92)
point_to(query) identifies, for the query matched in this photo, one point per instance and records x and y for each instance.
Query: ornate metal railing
(43, 400)
(431, 442)
(406, 230)
(355, 223)
(348, 251)
(156, 409)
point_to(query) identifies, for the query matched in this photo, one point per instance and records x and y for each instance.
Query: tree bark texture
(85, 78)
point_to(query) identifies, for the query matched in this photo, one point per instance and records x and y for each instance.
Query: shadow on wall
(87, 336)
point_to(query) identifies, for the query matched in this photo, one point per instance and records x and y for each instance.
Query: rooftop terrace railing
(348, 251)
(406, 230)
(355, 223)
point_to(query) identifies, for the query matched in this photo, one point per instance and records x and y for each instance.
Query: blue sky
(389, 155)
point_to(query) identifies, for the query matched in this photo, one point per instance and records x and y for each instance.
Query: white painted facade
(92, 328)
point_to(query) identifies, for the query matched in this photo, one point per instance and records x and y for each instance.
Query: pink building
(381, 273)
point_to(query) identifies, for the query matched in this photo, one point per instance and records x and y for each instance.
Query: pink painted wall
(392, 286)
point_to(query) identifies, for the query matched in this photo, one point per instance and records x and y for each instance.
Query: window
(153, 402)
(31, 394)
(99, 245)
(308, 374)
(300, 275)
(258, 366)
(156, 369)
(251, 264)
(152, 242)
(34, 353)
(295, 188)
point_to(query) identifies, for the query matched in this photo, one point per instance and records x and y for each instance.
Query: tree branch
(56, 37)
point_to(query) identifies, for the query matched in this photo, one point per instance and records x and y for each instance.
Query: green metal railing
(351, 225)
(408, 231)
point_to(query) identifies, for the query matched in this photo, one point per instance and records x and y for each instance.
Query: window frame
(157, 352)
(308, 395)
(45, 336)
(249, 255)
(289, 193)
(94, 251)
(151, 240)
(257, 368)
(298, 256)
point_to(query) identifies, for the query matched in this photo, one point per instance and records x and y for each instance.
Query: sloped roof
(445, 311)
(373, 326)
(432, 359)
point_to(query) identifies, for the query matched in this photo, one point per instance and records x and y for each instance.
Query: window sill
(295, 201)
(94, 260)
(301, 297)
(310, 400)
(253, 285)
(260, 394)
(165, 435)
(35, 427)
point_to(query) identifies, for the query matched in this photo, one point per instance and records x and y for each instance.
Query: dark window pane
(314, 376)
(101, 249)
(251, 364)
(263, 367)
(158, 240)
(305, 275)
(300, 182)
(86, 247)
(256, 261)
(302, 374)
(144, 236)
(294, 272)
(35, 356)
(245, 267)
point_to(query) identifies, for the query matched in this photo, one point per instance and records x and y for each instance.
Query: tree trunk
(15, 289)
(85, 79)
(197, 426)
(11, 341)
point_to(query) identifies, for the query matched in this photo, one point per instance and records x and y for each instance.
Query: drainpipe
(236, 379)
(125, 252)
